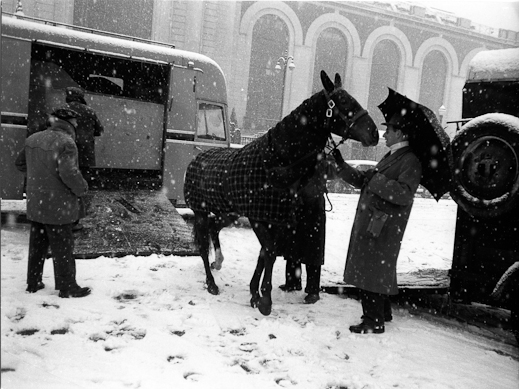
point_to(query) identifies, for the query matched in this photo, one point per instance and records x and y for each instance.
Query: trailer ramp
(132, 222)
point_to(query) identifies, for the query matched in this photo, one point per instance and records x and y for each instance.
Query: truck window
(210, 122)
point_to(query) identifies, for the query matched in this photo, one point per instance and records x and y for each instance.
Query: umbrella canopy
(427, 138)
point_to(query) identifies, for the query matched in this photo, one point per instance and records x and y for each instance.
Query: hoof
(254, 301)
(216, 266)
(213, 289)
(265, 306)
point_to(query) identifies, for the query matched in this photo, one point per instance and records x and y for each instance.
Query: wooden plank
(132, 222)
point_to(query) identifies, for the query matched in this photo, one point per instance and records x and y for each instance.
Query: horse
(261, 180)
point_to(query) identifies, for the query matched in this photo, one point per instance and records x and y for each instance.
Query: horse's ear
(327, 83)
(338, 81)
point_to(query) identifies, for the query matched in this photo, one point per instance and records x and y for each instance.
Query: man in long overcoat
(54, 185)
(385, 202)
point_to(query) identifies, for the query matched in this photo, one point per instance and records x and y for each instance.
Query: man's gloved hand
(369, 174)
(338, 157)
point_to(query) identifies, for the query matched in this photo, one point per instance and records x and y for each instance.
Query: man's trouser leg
(388, 312)
(38, 249)
(61, 241)
(313, 279)
(373, 307)
(293, 272)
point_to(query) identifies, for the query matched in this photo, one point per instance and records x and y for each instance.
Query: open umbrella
(427, 138)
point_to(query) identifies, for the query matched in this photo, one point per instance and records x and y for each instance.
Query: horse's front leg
(266, 236)
(202, 240)
(255, 282)
(265, 301)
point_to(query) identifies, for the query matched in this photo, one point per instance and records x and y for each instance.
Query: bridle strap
(350, 122)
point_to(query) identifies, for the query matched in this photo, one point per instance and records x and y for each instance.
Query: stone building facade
(420, 52)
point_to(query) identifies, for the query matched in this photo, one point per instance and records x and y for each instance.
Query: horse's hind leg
(201, 234)
(216, 224)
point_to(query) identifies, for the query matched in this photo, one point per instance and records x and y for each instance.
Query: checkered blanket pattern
(223, 180)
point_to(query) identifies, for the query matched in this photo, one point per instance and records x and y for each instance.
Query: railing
(89, 30)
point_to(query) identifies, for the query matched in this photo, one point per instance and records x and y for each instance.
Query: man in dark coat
(54, 184)
(88, 127)
(386, 198)
(306, 242)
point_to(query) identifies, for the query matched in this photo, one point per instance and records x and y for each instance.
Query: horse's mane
(300, 128)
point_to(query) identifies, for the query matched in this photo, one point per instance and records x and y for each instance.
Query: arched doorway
(432, 85)
(264, 105)
(384, 73)
(331, 54)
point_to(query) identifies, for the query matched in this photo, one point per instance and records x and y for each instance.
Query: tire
(486, 166)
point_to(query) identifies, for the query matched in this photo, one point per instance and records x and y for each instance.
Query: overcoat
(306, 240)
(88, 127)
(54, 181)
(371, 260)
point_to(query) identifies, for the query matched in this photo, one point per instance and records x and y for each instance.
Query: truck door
(193, 125)
(179, 147)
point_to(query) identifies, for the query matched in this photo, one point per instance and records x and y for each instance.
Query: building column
(455, 104)
(161, 23)
(194, 25)
(358, 80)
(298, 80)
(240, 78)
(411, 83)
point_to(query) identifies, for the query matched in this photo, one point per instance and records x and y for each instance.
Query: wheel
(486, 165)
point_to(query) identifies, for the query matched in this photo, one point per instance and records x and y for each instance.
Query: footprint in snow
(192, 376)
(285, 382)
(18, 315)
(248, 347)
(27, 331)
(120, 329)
(49, 305)
(127, 295)
(238, 332)
(175, 359)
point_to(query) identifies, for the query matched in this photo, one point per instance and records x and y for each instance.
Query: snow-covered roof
(495, 65)
(96, 42)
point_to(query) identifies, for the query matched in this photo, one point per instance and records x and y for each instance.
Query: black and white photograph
(259, 194)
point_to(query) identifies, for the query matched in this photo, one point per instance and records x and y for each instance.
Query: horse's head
(346, 117)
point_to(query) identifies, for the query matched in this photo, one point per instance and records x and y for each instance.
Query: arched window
(264, 105)
(384, 73)
(432, 85)
(330, 55)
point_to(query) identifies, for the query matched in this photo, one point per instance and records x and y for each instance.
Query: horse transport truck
(485, 264)
(159, 106)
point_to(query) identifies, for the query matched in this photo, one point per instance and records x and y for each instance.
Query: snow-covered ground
(150, 323)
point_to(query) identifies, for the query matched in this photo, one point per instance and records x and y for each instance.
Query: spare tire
(486, 165)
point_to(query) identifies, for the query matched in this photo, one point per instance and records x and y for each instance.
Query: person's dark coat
(371, 261)
(307, 240)
(54, 181)
(88, 126)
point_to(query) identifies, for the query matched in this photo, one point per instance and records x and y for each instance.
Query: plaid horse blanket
(224, 180)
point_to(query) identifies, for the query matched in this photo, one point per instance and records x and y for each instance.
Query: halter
(330, 111)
